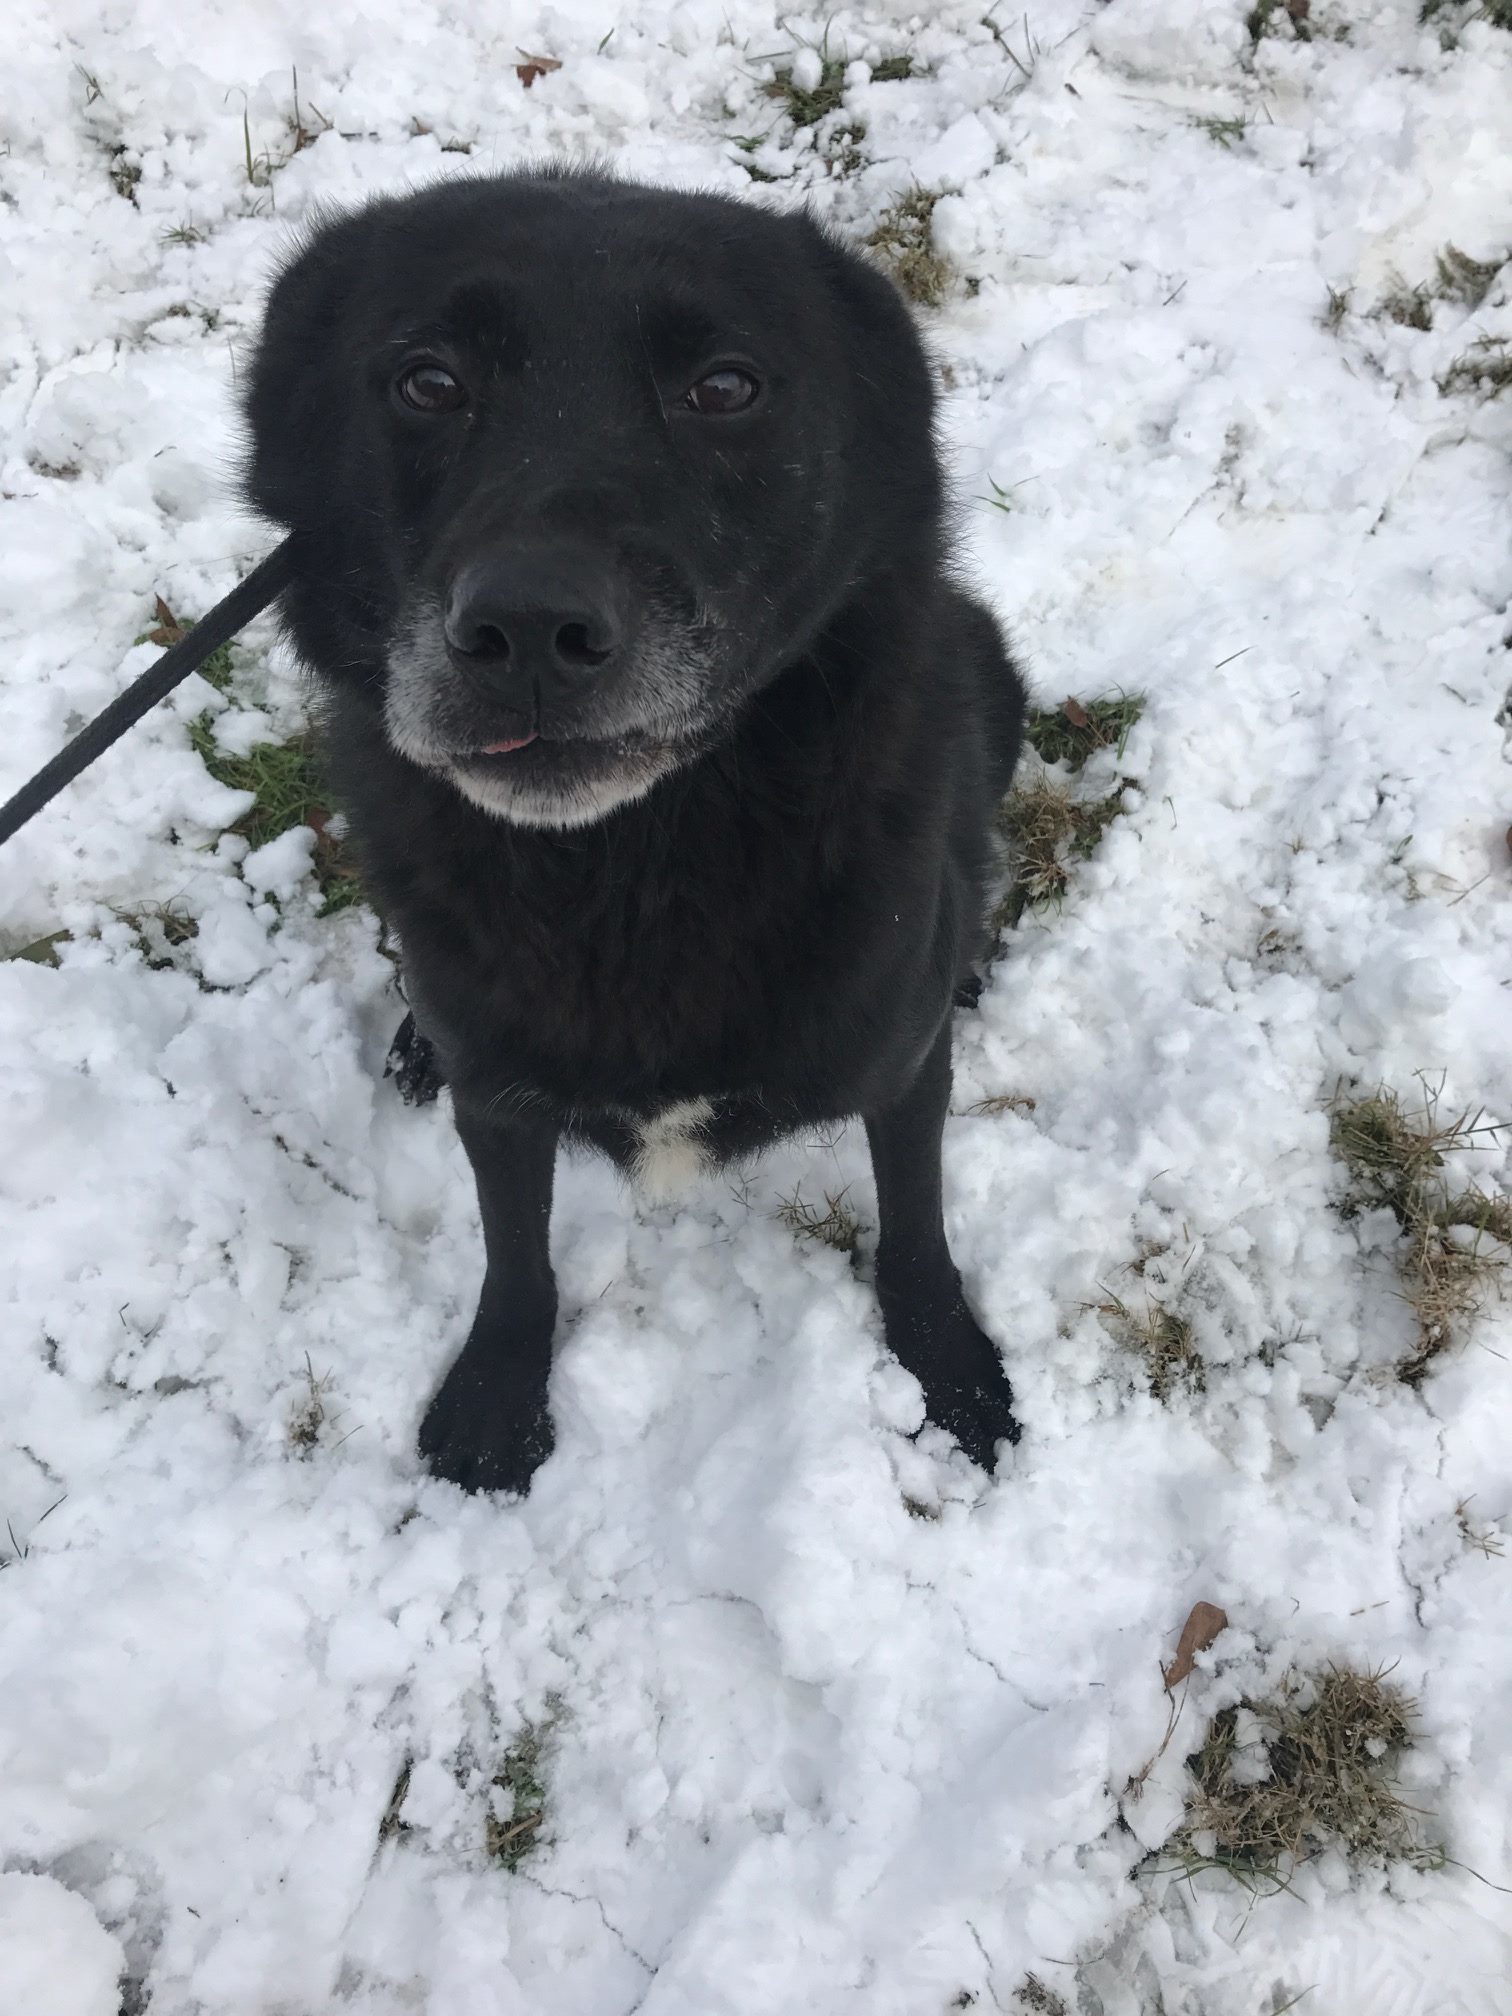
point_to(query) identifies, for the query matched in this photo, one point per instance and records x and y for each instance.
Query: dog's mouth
(507, 748)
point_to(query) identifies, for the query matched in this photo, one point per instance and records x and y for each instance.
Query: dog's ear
(299, 398)
(892, 451)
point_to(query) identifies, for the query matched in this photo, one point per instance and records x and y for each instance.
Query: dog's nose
(542, 623)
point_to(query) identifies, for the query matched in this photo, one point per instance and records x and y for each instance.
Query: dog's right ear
(299, 396)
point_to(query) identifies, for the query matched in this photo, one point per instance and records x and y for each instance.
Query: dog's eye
(429, 387)
(728, 391)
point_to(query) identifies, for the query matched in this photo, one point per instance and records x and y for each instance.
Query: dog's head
(572, 467)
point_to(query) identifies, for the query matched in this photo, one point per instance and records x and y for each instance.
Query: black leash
(269, 578)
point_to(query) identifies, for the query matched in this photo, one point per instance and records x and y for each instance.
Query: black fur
(818, 722)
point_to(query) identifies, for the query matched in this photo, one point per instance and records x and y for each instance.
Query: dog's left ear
(890, 372)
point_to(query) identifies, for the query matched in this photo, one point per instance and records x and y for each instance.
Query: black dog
(669, 745)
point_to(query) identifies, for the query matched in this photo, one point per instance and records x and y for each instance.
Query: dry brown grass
(836, 1225)
(311, 1413)
(1033, 1998)
(904, 243)
(1319, 1776)
(1161, 1338)
(1485, 368)
(1047, 828)
(510, 1837)
(1456, 1247)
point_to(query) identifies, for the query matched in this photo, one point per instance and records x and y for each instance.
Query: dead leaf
(1198, 1632)
(536, 66)
(1076, 714)
(168, 629)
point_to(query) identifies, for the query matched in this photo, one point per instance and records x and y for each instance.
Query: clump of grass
(285, 780)
(1161, 1338)
(160, 928)
(1077, 729)
(842, 148)
(903, 240)
(1486, 368)
(1224, 131)
(836, 1225)
(1338, 307)
(310, 1413)
(1464, 279)
(125, 175)
(806, 106)
(1484, 1539)
(1410, 307)
(1316, 1775)
(1003, 1102)
(1035, 1999)
(1456, 1243)
(520, 1783)
(1046, 829)
(1272, 17)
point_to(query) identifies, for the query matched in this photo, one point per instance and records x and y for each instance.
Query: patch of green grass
(1311, 1770)
(836, 1225)
(1161, 1338)
(904, 242)
(1457, 1243)
(806, 106)
(285, 781)
(1224, 131)
(1077, 729)
(510, 1836)
(1486, 368)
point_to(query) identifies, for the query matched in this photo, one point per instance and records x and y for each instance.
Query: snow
(56, 1959)
(808, 1750)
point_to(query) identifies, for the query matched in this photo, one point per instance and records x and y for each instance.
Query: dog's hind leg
(488, 1428)
(929, 1328)
(412, 1064)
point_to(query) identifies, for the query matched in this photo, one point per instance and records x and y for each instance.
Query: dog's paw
(968, 992)
(978, 1414)
(483, 1438)
(411, 1063)
(966, 1390)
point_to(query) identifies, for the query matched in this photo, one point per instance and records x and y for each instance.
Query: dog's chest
(673, 1148)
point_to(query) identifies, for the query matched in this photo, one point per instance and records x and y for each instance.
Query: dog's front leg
(488, 1428)
(929, 1328)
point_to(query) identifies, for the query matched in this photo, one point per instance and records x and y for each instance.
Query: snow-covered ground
(808, 1751)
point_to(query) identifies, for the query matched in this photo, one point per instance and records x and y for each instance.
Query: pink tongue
(503, 748)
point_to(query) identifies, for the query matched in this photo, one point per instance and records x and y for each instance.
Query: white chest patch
(670, 1157)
